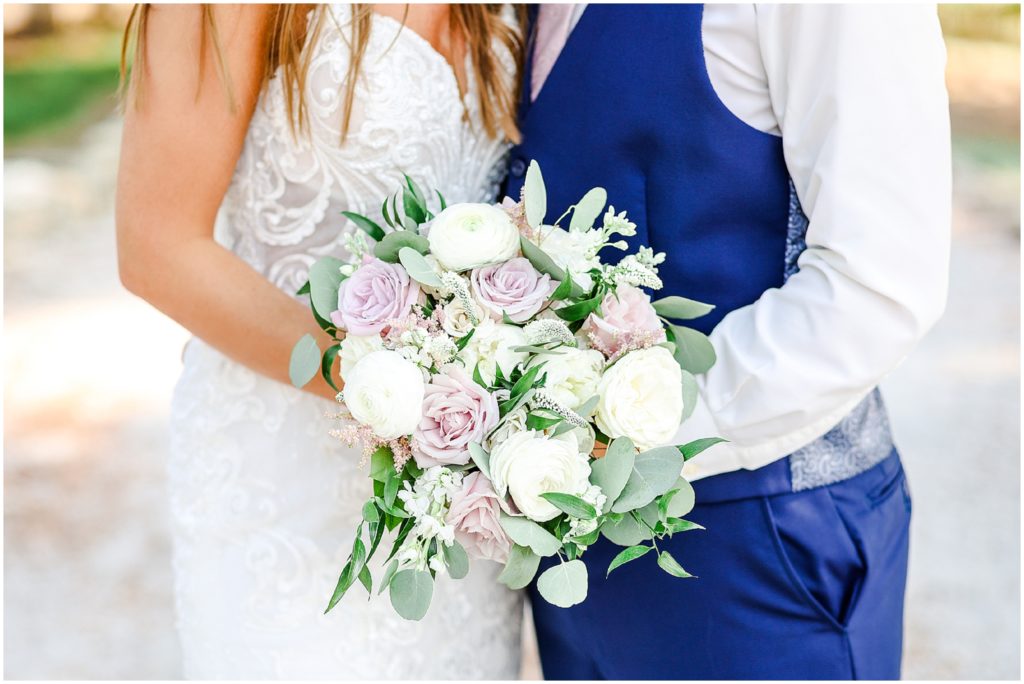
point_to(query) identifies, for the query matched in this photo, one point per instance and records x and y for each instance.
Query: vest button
(518, 167)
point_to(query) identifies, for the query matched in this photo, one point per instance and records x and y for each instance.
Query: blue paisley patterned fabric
(863, 438)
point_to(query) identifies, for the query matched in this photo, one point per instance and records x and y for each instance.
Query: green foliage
(694, 352)
(681, 308)
(525, 532)
(393, 243)
(520, 568)
(654, 472)
(305, 361)
(535, 196)
(611, 472)
(571, 505)
(564, 585)
(411, 591)
(626, 555)
(588, 209)
(691, 449)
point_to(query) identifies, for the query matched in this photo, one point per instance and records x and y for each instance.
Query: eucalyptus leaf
(694, 352)
(540, 260)
(456, 559)
(305, 361)
(669, 565)
(611, 472)
(481, 458)
(625, 532)
(626, 555)
(417, 267)
(368, 226)
(564, 585)
(681, 308)
(586, 409)
(324, 280)
(535, 196)
(654, 472)
(411, 591)
(683, 501)
(691, 449)
(571, 505)
(525, 532)
(534, 349)
(520, 567)
(690, 393)
(388, 248)
(588, 209)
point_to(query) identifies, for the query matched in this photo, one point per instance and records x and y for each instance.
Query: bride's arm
(181, 141)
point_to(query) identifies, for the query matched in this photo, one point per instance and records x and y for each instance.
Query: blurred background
(89, 370)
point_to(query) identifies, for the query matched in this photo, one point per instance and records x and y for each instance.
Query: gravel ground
(89, 371)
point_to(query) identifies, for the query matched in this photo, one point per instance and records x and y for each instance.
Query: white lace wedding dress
(264, 502)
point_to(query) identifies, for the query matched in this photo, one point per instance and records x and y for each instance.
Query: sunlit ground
(89, 371)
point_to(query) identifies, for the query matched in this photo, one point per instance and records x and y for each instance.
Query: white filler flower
(529, 464)
(385, 392)
(466, 236)
(642, 398)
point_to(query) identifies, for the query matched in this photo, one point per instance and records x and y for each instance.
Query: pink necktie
(553, 23)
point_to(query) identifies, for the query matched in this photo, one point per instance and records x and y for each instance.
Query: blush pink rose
(627, 311)
(475, 513)
(456, 411)
(376, 293)
(514, 287)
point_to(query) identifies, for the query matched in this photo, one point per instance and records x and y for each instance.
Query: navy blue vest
(629, 106)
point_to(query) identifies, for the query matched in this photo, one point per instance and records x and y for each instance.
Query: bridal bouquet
(485, 354)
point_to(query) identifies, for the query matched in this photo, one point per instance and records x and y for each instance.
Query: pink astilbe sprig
(413, 321)
(625, 342)
(517, 212)
(354, 434)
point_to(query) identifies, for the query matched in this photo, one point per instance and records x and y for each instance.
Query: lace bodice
(264, 503)
(282, 210)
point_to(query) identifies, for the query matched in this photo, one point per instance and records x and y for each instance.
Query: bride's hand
(599, 450)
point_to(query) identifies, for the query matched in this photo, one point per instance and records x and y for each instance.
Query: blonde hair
(291, 29)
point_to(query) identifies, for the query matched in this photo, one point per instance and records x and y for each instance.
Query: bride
(267, 121)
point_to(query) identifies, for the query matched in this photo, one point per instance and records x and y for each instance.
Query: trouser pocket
(822, 558)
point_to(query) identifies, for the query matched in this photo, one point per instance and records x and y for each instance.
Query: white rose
(466, 236)
(572, 376)
(355, 347)
(456, 321)
(528, 464)
(573, 250)
(642, 398)
(385, 392)
(491, 346)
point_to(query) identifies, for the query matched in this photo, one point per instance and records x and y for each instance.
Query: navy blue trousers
(804, 585)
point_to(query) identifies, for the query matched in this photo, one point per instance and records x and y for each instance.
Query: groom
(794, 163)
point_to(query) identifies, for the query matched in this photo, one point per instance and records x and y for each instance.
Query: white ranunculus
(385, 391)
(528, 464)
(491, 346)
(573, 375)
(642, 398)
(466, 236)
(355, 347)
(574, 250)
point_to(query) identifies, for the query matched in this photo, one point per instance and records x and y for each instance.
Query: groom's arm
(859, 94)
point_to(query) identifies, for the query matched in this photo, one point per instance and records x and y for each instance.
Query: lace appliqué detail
(863, 438)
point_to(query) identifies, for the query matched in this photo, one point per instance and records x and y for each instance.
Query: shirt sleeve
(859, 94)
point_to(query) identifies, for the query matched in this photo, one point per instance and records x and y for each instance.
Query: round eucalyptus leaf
(565, 584)
(411, 591)
(654, 473)
(525, 532)
(588, 209)
(417, 267)
(324, 280)
(388, 248)
(456, 559)
(683, 501)
(611, 472)
(681, 308)
(626, 532)
(305, 361)
(520, 567)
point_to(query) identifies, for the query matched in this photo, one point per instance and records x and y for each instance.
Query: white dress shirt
(857, 93)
